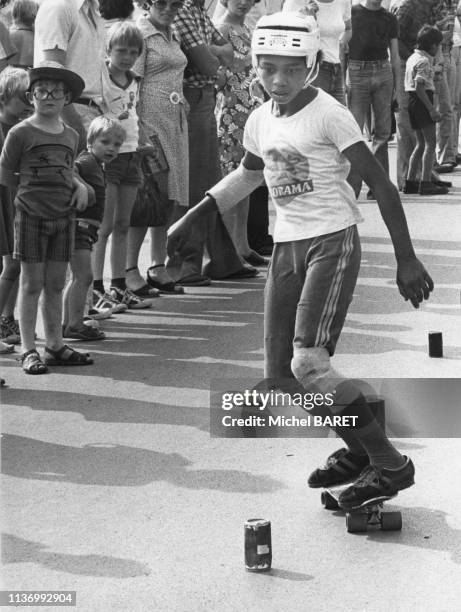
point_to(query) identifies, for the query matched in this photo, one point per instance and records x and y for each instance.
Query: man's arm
(181, 230)
(413, 280)
(203, 59)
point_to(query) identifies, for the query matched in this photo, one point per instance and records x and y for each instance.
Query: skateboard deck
(368, 515)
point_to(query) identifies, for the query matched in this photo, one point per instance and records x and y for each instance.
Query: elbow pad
(235, 187)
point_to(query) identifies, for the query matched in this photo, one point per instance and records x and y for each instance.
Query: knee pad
(311, 367)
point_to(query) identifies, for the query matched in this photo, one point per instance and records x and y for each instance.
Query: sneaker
(98, 314)
(104, 300)
(341, 467)
(411, 187)
(376, 484)
(427, 188)
(128, 298)
(9, 330)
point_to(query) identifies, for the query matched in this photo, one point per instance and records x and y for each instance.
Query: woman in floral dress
(162, 114)
(233, 105)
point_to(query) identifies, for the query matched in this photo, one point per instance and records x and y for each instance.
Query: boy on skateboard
(304, 143)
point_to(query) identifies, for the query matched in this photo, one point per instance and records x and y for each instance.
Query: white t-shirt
(304, 168)
(120, 103)
(76, 28)
(331, 18)
(457, 33)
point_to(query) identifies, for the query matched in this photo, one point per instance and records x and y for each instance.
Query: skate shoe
(104, 301)
(9, 330)
(341, 467)
(130, 299)
(377, 483)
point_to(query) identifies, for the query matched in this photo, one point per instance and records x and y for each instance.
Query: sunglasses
(164, 4)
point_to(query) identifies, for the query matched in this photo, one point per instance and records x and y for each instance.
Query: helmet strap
(314, 71)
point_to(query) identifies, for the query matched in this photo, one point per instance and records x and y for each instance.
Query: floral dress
(162, 107)
(234, 102)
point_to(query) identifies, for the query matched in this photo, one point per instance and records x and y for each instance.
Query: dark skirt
(419, 115)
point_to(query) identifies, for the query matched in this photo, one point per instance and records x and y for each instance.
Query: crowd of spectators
(167, 86)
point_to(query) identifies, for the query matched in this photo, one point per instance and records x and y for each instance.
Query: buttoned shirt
(419, 69)
(195, 28)
(76, 27)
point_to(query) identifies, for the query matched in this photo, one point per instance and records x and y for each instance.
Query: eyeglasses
(43, 94)
(164, 4)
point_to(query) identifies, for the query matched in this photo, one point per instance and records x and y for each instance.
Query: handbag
(152, 207)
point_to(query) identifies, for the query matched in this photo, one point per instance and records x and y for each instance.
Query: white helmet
(289, 34)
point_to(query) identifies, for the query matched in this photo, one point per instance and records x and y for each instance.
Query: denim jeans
(330, 79)
(370, 84)
(406, 139)
(456, 60)
(443, 87)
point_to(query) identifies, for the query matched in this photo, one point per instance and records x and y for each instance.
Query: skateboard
(367, 515)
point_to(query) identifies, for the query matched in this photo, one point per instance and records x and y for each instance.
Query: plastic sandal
(73, 358)
(169, 287)
(32, 363)
(84, 333)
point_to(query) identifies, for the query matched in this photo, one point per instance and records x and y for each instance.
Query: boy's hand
(435, 115)
(178, 234)
(80, 197)
(413, 281)
(146, 149)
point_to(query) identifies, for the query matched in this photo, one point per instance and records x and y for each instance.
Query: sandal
(168, 287)
(66, 356)
(84, 333)
(145, 291)
(32, 363)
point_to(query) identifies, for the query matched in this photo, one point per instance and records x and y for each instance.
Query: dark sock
(119, 283)
(98, 285)
(367, 431)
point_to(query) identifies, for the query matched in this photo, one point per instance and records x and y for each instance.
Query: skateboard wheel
(391, 521)
(328, 501)
(356, 523)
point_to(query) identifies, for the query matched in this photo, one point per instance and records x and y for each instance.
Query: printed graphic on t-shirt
(288, 174)
(51, 165)
(118, 105)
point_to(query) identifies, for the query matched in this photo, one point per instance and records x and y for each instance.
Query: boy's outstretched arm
(233, 188)
(413, 281)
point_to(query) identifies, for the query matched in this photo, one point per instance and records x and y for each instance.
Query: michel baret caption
(269, 420)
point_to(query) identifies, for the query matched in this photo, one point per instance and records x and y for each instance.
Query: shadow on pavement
(110, 410)
(18, 550)
(117, 465)
(424, 528)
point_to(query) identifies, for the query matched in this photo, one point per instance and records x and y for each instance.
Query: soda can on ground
(258, 545)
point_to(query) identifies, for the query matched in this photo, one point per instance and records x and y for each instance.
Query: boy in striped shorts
(303, 143)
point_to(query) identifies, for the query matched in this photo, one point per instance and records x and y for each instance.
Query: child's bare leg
(428, 158)
(414, 163)
(122, 213)
(75, 294)
(105, 231)
(9, 285)
(31, 284)
(54, 281)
